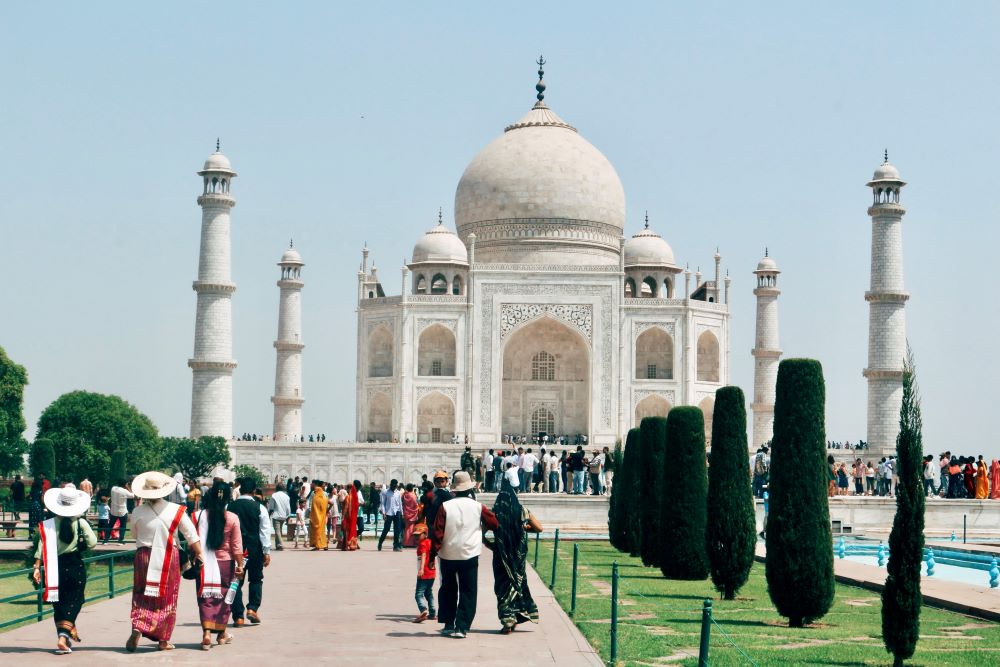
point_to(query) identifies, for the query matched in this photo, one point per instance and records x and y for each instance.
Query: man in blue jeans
(577, 466)
(392, 509)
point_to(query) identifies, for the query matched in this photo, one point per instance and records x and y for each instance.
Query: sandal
(225, 639)
(133, 641)
(206, 644)
(164, 646)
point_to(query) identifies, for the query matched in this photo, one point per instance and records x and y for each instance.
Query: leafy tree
(901, 598)
(732, 527)
(117, 471)
(86, 428)
(13, 447)
(244, 470)
(43, 460)
(617, 515)
(683, 513)
(799, 564)
(652, 443)
(195, 458)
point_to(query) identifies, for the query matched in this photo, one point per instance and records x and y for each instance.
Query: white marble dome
(217, 162)
(647, 248)
(540, 189)
(767, 264)
(440, 246)
(886, 172)
(291, 256)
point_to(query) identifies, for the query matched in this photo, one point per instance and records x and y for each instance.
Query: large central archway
(546, 380)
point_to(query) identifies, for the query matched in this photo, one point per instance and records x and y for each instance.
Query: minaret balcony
(766, 354)
(288, 400)
(210, 365)
(288, 346)
(212, 286)
(215, 199)
(290, 284)
(766, 291)
(882, 374)
(886, 210)
(887, 297)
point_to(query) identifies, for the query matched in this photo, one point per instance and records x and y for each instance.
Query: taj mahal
(541, 312)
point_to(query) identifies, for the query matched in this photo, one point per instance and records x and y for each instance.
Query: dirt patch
(602, 586)
(967, 626)
(808, 643)
(808, 626)
(952, 636)
(670, 660)
(861, 602)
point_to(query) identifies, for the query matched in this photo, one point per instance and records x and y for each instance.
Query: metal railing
(43, 609)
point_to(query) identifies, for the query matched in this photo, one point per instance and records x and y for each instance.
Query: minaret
(886, 321)
(212, 364)
(287, 397)
(766, 351)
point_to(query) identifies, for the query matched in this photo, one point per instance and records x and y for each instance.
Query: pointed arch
(435, 418)
(707, 407)
(380, 417)
(630, 288)
(380, 352)
(708, 357)
(654, 355)
(436, 351)
(651, 406)
(439, 284)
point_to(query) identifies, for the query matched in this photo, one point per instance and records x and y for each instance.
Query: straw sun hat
(67, 501)
(153, 484)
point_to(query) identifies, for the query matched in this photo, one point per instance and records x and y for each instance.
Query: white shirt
(488, 462)
(279, 505)
(119, 501)
(528, 462)
(151, 516)
(511, 475)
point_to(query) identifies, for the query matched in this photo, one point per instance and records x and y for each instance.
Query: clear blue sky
(736, 124)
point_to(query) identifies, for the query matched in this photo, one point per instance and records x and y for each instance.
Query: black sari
(510, 554)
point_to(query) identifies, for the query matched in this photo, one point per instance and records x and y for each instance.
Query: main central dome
(541, 194)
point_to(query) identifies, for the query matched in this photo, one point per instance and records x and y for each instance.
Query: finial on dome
(647, 219)
(765, 252)
(291, 243)
(440, 221)
(886, 154)
(217, 145)
(540, 86)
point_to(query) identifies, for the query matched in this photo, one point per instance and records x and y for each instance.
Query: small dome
(442, 246)
(767, 264)
(291, 256)
(217, 162)
(647, 248)
(886, 172)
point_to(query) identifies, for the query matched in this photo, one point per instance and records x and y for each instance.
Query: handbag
(190, 567)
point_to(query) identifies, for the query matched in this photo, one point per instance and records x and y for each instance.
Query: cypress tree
(617, 517)
(117, 470)
(43, 460)
(632, 467)
(683, 512)
(732, 528)
(799, 564)
(901, 598)
(652, 442)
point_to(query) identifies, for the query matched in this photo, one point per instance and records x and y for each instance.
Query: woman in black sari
(510, 555)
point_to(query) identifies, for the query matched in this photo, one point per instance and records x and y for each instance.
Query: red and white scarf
(163, 551)
(210, 585)
(50, 559)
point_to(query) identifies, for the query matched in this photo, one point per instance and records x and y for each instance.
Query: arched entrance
(380, 417)
(546, 381)
(435, 418)
(651, 406)
(707, 406)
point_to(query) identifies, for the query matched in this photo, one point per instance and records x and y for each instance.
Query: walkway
(327, 607)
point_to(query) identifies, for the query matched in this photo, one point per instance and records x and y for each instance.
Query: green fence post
(614, 614)
(576, 558)
(706, 630)
(111, 576)
(555, 556)
(537, 537)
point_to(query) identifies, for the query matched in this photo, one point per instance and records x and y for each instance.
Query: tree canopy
(195, 458)
(256, 475)
(13, 378)
(86, 428)
(683, 496)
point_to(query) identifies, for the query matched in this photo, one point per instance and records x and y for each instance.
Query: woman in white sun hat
(156, 568)
(63, 535)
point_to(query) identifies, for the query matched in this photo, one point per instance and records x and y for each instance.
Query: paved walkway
(326, 607)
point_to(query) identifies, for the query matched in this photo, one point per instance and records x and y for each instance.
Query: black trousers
(396, 521)
(253, 581)
(457, 595)
(122, 523)
(489, 480)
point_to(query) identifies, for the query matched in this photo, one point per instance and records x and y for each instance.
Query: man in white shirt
(488, 468)
(528, 462)
(118, 511)
(280, 508)
(513, 475)
(391, 507)
(552, 471)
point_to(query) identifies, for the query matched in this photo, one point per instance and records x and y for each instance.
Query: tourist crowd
(575, 473)
(944, 476)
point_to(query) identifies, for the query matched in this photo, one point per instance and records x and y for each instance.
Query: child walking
(103, 518)
(300, 525)
(426, 573)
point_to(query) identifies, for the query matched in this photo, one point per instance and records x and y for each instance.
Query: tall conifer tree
(732, 531)
(652, 442)
(799, 562)
(901, 597)
(617, 506)
(683, 515)
(632, 467)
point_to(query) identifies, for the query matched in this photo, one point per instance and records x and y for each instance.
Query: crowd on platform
(256, 437)
(944, 476)
(575, 473)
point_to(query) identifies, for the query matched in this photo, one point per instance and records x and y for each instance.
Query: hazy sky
(737, 125)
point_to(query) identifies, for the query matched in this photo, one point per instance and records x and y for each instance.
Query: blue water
(963, 575)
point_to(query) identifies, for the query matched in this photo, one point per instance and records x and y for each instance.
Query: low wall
(582, 514)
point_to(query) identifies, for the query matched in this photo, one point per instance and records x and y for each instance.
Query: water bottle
(234, 586)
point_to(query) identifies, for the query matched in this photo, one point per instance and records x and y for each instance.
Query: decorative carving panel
(579, 316)
(640, 394)
(640, 327)
(424, 322)
(450, 392)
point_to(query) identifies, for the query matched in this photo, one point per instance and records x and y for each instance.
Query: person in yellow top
(193, 498)
(317, 517)
(982, 479)
(62, 537)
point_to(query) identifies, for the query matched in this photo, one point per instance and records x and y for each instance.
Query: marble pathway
(325, 607)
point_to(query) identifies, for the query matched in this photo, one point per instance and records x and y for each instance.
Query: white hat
(462, 481)
(220, 472)
(67, 501)
(153, 484)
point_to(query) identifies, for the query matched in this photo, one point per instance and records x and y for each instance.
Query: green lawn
(660, 620)
(20, 584)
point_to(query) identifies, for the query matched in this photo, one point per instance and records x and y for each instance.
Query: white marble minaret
(766, 351)
(287, 397)
(213, 363)
(886, 300)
